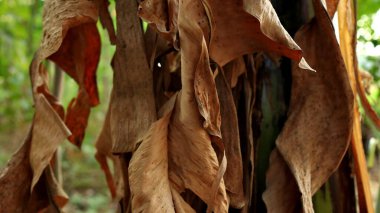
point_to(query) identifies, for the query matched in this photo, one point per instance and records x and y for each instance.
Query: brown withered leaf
(177, 147)
(332, 6)
(282, 194)
(133, 109)
(230, 136)
(202, 80)
(179, 151)
(347, 37)
(32, 189)
(78, 56)
(48, 129)
(238, 29)
(47, 134)
(151, 160)
(103, 152)
(320, 111)
(163, 15)
(233, 70)
(16, 180)
(106, 20)
(207, 96)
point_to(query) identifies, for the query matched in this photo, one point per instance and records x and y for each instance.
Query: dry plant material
(132, 109)
(106, 20)
(230, 136)
(199, 153)
(242, 27)
(103, 152)
(163, 16)
(347, 35)
(320, 112)
(332, 6)
(78, 56)
(177, 147)
(75, 19)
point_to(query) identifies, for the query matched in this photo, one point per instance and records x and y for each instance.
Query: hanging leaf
(177, 147)
(320, 111)
(282, 194)
(78, 56)
(230, 136)
(242, 27)
(48, 130)
(133, 109)
(163, 14)
(106, 20)
(347, 35)
(103, 153)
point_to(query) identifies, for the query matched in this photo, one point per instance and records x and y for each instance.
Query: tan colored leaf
(182, 156)
(320, 111)
(133, 109)
(103, 152)
(47, 134)
(230, 136)
(282, 194)
(233, 70)
(15, 185)
(193, 54)
(177, 147)
(48, 129)
(163, 14)
(237, 31)
(149, 170)
(207, 96)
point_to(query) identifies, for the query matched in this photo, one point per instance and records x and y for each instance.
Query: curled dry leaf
(207, 96)
(238, 29)
(230, 136)
(282, 194)
(103, 152)
(233, 70)
(47, 134)
(177, 147)
(49, 131)
(163, 15)
(78, 56)
(59, 19)
(179, 151)
(320, 112)
(106, 20)
(133, 109)
(16, 180)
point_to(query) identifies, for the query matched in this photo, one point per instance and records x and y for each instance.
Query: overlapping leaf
(76, 20)
(316, 134)
(78, 56)
(230, 136)
(177, 147)
(163, 15)
(242, 27)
